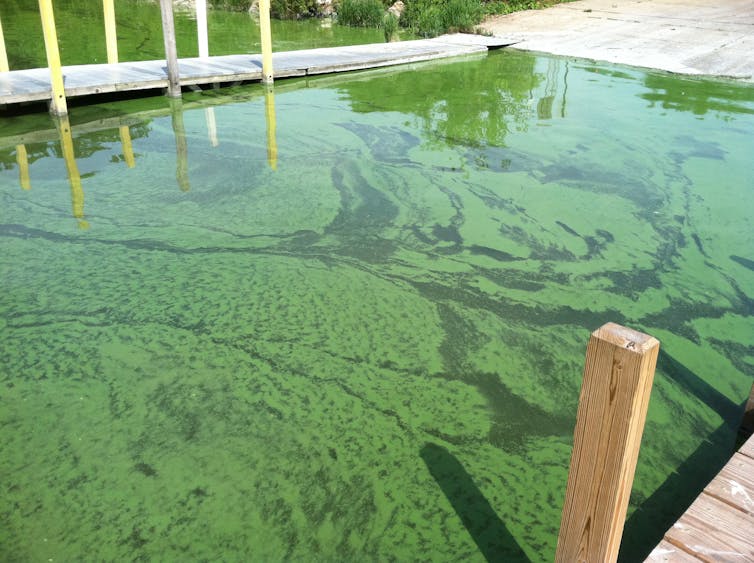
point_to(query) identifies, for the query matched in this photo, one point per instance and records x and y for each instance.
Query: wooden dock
(19, 86)
(719, 525)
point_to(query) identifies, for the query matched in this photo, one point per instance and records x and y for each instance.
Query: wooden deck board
(34, 84)
(719, 525)
(668, 553)
(735, 484)
(748, 448)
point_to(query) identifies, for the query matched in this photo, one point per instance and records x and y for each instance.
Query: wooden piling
(618, 374)
(266, 40)
(201, 28)
(171, 53)
(58, 105)
(111, 39)
(3, 53)
(22, 160)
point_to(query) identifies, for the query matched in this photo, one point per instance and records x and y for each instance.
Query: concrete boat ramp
(20, 86)
(693, 37)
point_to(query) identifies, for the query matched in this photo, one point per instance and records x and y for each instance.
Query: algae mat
(351, 324)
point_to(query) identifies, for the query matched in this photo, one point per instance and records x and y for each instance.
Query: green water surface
(81, 32)
(351, 327)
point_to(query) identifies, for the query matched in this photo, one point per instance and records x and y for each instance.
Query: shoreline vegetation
(424, 18)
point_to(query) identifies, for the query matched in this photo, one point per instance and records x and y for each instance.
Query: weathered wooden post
(171, 54)
(22, 160)
(618, 374)
(266, 40)
(74, 178)
(269, 113)
(111, 39)
(3, 53)
(58, 105)
(201, 28)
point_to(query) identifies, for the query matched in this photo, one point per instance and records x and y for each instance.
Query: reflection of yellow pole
(181, 146)
(74, 178)
(111, 39)
(3, 53)
(128, 149)
(266, 36)
(22, 159)
(58, 104)
(269, 113)
(209, 114)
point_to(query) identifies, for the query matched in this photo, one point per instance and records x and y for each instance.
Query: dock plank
(668, 553)
(735, 484)
(719, 524)
(748, 448)
(19, 86)
(713, 531)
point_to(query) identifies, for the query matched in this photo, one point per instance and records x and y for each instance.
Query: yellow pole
(111, 39)
(74, 178)
(22, 159)
(3, 53)
(128, 149)
(58, 104)
(266, 36)
(269, 113)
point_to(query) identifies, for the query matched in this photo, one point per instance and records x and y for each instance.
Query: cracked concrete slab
(683, 36)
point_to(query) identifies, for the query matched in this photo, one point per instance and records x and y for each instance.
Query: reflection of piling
(269, 113)
(22, 159)
(181, 146)
(209, 114)
(544, 107)
(128, 149)
(74, 178)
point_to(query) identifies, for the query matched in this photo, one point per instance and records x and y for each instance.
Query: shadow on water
(647, 526)
(695, 385)
(489, 532)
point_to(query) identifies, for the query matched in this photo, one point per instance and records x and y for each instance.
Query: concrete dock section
(694, 37)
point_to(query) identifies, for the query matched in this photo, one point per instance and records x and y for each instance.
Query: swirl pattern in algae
(373, 351)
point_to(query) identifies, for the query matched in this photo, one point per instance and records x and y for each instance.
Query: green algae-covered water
(346, 321)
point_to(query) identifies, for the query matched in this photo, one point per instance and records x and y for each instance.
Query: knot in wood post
(618, 373)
